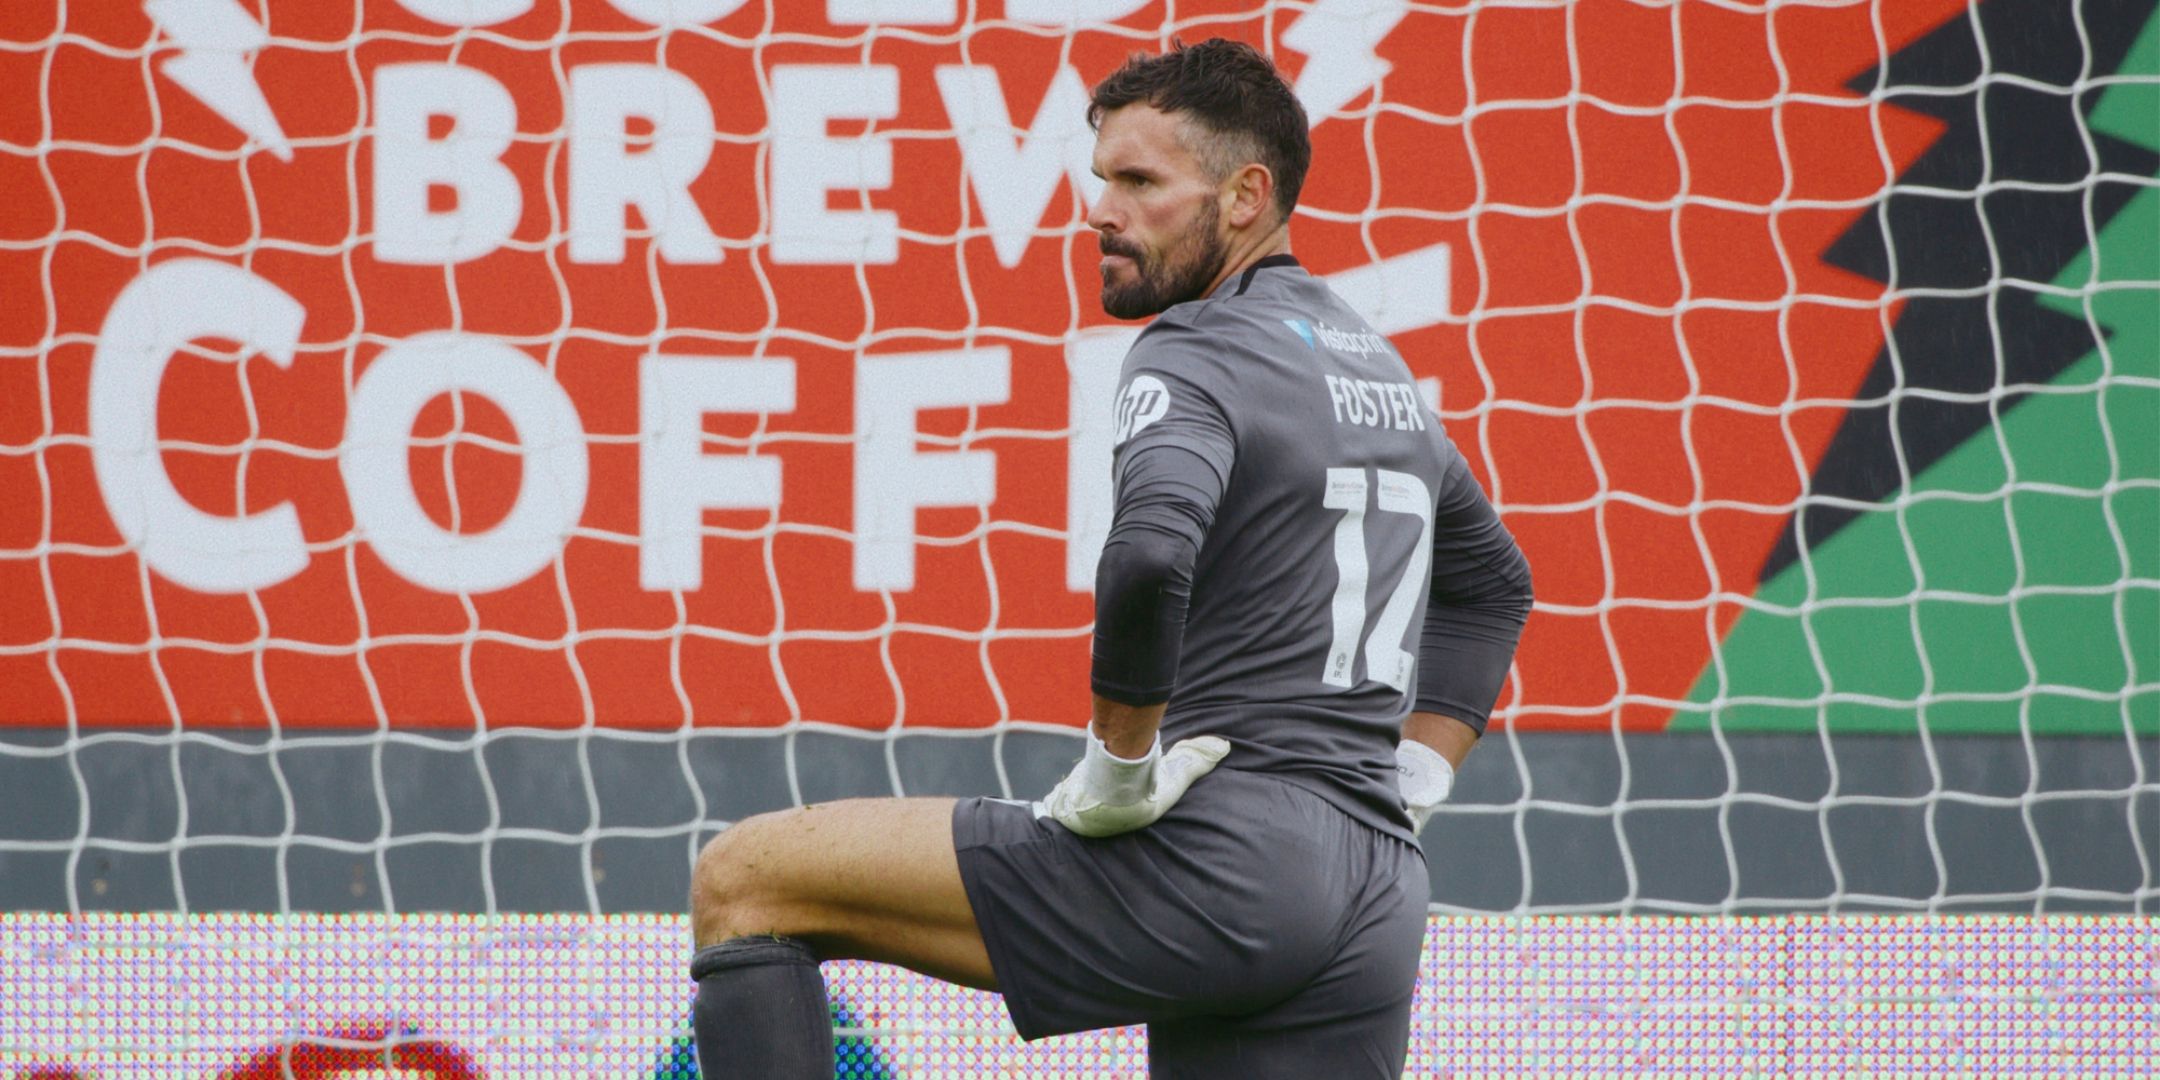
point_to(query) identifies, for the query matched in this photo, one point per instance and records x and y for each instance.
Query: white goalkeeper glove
(1105, 794)
(1424, 778)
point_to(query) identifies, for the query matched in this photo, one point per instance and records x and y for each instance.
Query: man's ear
(1251, 194)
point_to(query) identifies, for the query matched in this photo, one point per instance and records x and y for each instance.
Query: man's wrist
(1110, 753)
(1126, 731)
(1448, 736)
(1424, 778)
(1124, 746)
(1118, 780)
(1423, 774)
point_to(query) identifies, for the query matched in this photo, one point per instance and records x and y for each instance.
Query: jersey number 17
(1388, 653)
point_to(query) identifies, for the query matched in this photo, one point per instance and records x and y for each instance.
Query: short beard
(1179, 274)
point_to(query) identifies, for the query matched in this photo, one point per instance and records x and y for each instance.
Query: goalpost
(459, 454)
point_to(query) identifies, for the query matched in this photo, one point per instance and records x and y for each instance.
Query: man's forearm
(1448, 737)
(1127, 730)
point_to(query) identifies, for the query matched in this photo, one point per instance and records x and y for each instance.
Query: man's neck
(1275, 241)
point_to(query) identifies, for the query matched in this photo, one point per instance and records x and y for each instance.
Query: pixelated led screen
(242, 997)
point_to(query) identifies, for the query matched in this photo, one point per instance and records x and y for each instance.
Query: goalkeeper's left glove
(1105, 794)
(1424, 778)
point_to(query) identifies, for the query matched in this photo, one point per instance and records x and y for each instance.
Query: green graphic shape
(2065, 564)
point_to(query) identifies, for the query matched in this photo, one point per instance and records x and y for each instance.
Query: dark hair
(1233, 93)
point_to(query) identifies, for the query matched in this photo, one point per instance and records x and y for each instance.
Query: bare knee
(869, 878)
(733, 887)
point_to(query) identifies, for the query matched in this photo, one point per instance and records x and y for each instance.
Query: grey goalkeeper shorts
(1257, 930)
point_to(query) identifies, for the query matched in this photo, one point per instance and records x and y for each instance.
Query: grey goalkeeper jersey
(1333, 486)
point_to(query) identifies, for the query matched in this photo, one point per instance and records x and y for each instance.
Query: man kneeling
(1314, 610)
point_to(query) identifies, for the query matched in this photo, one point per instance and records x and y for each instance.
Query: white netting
(460, 453)
(447, 462)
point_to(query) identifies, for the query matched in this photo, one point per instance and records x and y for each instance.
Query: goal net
(460, 454)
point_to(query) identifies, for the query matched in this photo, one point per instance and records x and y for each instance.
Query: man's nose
(1103, 218)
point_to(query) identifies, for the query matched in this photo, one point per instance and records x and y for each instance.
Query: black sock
(761, 1011)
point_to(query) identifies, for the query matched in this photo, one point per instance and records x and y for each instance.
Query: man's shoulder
(1219, 327)
(1181, 340)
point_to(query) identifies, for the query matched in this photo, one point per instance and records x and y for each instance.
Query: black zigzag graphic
(1999, 198)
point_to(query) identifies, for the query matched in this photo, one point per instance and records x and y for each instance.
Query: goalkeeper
(1303, 594)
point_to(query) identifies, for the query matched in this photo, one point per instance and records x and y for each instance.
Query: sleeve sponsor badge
(1143, 401)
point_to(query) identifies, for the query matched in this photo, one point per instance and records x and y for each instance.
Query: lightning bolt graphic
(215, 37)
(1399, 293)
(1339, 39)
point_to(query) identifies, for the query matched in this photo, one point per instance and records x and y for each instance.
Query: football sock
(761, 1011)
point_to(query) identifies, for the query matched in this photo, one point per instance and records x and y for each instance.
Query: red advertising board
(551, 364)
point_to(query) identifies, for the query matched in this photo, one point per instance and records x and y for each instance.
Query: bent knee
(733, 887)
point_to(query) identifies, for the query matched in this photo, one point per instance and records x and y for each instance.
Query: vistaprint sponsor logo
(1322, 336)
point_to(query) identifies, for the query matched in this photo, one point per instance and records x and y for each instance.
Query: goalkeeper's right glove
(1424, 778)
(1105, 794)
